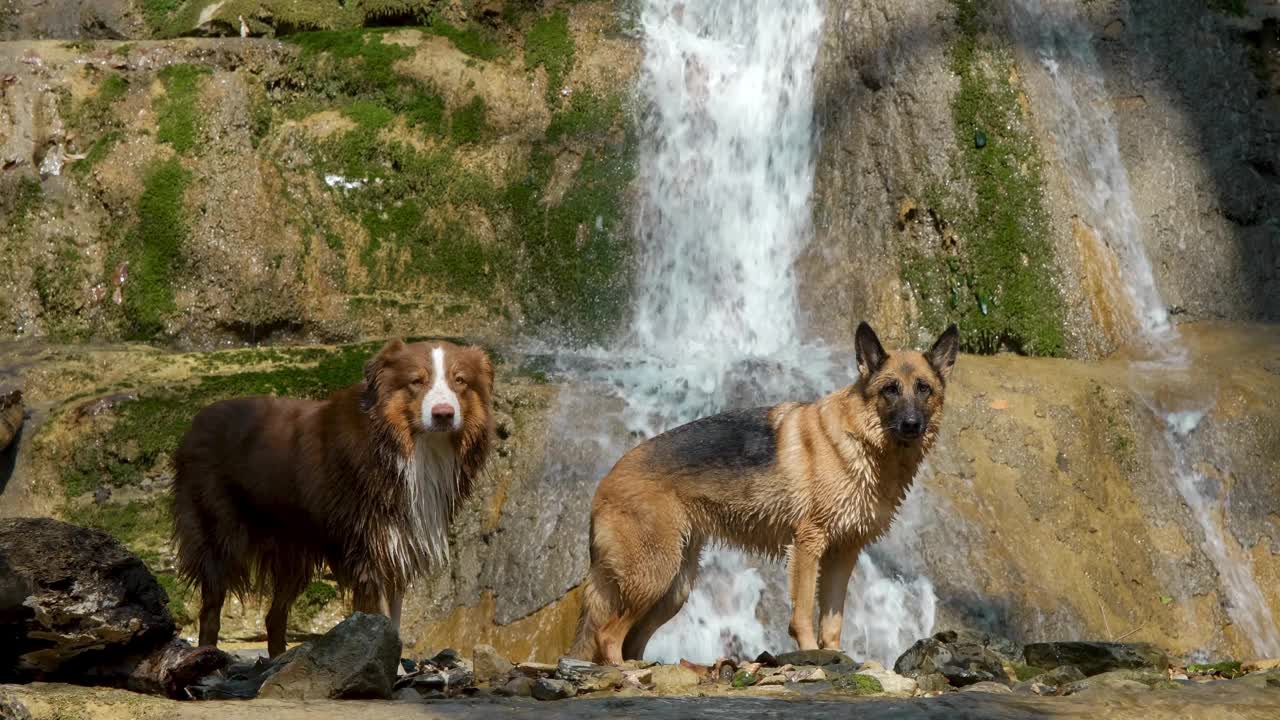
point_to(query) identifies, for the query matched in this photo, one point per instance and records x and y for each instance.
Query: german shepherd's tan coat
(814, 481)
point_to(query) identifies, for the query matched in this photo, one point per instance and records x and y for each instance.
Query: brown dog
(818, 481)
(268, 489)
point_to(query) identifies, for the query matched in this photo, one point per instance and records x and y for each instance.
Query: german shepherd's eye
(891, 390)
(923, 389)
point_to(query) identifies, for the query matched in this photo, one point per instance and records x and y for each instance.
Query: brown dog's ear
(486, 366)
(942, 356)
(373, 368)
(869, 351)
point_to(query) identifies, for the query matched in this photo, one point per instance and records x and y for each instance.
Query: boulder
(488, 665)
(12, 412)
(1093, 658)
(963, 661)
(356, 659)
(552, 689)
(11, 708)
(75, 605)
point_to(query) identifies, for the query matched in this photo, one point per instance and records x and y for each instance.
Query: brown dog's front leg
(806, 551)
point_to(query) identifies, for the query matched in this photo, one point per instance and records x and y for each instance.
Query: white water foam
(1085, 134)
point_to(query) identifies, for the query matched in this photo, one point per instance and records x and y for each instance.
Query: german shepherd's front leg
(837, 568)
(806, 551)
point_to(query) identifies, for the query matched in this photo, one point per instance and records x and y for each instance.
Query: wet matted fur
(814, 481)
(268, 490)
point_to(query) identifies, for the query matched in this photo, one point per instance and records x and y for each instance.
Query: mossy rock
(857, 684)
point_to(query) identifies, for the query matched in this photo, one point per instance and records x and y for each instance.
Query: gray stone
(488, 665)
(1059, 676)
(814, 657)
(673, 678)
(1140, 679)
(988, 687)
(356, 659)
(893, 683)
(932, 682)
(1092, 658)
(552, 689)
(587, 676)
(518, 686)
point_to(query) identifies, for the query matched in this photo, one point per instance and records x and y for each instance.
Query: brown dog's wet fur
(267, 490)
(814, 481)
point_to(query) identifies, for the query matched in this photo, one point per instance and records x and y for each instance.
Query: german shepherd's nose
(441, 413)
(910, 427)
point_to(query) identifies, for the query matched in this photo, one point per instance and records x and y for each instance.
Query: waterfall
(1083, 129)
(726, 174)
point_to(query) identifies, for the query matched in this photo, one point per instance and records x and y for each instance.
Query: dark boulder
(1093, 658)
(75, 605)
(962, 660)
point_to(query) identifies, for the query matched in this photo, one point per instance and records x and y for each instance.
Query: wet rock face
(357, 659)
(75, 604)
(70, 20)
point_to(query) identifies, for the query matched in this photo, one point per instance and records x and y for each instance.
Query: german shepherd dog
(268, 490)
(814, 481)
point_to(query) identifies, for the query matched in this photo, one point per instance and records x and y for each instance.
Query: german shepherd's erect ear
(870, 353)
(942, 356)
(373, 368)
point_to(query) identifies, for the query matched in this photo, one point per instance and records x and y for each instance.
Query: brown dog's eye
(417, 383)
(922, 388)
(891, 390)
(460, 380)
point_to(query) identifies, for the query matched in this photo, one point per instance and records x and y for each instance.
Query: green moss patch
(1026, 672)
(467, 124)
(314, 598)
(857, 684)
(997, 283)
(474, 40)
(549, 45)
(153, 249)
(1228, 668)
(178, 114)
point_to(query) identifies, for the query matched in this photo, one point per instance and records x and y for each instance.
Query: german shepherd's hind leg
(807, 548)
(666, 608)
(639, 551)
(833, 584)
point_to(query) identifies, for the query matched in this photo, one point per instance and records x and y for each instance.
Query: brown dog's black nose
(442, 413)
(910, 427)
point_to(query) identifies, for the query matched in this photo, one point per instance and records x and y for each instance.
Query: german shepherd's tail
(599, 605)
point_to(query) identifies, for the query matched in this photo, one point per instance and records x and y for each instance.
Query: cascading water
(1084, 131)
(726, 175)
